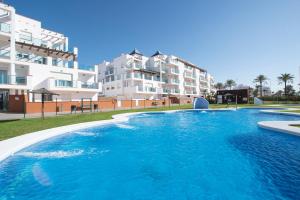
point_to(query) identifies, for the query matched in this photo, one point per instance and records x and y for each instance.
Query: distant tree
(260, 79)
(255, 91)
(230, 83)
(219, 86)
(285, 78)
(290, 90)
(279, 93)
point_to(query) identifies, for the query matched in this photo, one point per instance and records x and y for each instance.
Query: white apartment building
(32, 57)
(136, 76)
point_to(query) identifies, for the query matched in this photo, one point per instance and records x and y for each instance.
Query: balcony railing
(64, 83)
(140, 88)
(60, 83)
(189, 84)
(13, 80)
(32, 40)
(175, 81)
(4, 27)
(88, 85)
(4, 53)
(175, 91)
(88, 68)
(31, 58)
(174, 71)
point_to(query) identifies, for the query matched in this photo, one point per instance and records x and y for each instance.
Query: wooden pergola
(43, 92)
(45, 51)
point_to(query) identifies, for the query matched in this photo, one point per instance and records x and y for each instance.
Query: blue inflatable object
(258, 101)
(200, 103)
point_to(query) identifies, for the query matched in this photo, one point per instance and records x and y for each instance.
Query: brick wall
(16, 104)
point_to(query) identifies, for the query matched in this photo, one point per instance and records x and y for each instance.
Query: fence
(100, 105)
(281, 99)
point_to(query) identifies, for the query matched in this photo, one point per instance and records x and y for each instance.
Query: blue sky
(232, 39)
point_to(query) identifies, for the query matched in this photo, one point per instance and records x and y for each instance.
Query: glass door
(3, 77)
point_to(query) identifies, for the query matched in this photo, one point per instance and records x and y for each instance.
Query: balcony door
(3, 77)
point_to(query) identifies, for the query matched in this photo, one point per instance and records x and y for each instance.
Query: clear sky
(232, 39)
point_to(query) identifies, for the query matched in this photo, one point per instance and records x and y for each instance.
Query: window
(148, 77)
(128, 75)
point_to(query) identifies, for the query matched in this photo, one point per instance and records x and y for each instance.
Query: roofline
(190, 64)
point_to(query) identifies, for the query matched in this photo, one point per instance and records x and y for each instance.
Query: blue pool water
(183, 155)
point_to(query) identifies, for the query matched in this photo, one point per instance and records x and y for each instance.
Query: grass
(9, 129)
(291, 111)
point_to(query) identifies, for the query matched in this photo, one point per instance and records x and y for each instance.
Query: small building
(231, 96)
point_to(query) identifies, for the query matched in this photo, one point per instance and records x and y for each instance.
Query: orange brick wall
(16, 103)
(65, 106)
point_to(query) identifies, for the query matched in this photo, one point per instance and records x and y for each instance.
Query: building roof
(190, 64)
(135, 51)
(157, 53)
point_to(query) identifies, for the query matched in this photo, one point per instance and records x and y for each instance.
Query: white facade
(137, 76)
(32, 57)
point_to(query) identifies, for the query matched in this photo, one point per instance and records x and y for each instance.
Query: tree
(230, 83)
(260, 79)
(219, 86)
(285, 78)
(290, 90)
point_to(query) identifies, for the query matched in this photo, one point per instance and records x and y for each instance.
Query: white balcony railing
(60, 83)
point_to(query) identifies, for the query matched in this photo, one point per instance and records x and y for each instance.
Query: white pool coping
(281, 126)
(10, 146)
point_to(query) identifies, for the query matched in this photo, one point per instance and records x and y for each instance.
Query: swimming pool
(181, 155)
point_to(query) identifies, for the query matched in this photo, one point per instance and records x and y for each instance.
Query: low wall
(107, 104)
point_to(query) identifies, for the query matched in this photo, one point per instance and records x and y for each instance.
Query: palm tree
(230, 83)
(285, 78)
(219, 86)
(260, 79)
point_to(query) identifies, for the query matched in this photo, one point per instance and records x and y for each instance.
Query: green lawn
(10, 129)
(292, 111)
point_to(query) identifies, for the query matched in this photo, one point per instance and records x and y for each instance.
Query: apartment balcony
(32, 58)
(40, 47)
(164, 69)
(175, 91)
(174, 81)
(190, 76)
(32, 40)
(171, 91)
(189, 84)
(89, 85)
(203, 79)
(72, 86)
(174, 71)
(15, 81)
(5, 28)
(5, 54)
(172, 61)
(141, 89)
(188, 92)
(87, 68)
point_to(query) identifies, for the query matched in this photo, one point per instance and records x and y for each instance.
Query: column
(12, 69)
(75, 71)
